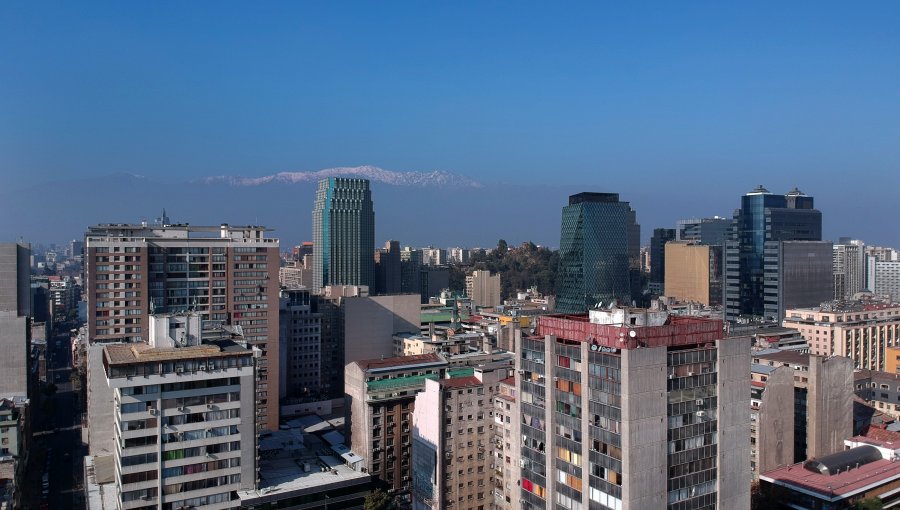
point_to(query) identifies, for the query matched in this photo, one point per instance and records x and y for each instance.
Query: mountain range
(422, 208)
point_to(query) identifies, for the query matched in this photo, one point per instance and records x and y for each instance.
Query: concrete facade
(830, 396)
(370, 323)
(483, 288)
(772, 420)
(15, 344)
(15, 278)
(636, 416)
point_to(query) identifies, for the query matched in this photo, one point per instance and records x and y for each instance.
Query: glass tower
(599, 253)
(752, 260)
(343, 233)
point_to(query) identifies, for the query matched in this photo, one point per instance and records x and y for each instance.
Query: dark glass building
(760, 272)
(599, 253)
(343, 233)
(658, 258)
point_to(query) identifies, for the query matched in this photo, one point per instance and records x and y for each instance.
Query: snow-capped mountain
(433, 178)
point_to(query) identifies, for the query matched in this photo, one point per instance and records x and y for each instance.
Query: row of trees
(521, 267)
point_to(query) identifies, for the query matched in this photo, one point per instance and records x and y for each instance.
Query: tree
(502, 247)
(868, 504)
(377, 500)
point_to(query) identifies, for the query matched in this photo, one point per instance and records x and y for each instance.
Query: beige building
(453, 440)
(506, 450)
(483, 288)
(694, 273)
(857, 330)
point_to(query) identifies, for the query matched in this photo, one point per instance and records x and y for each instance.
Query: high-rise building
(633, 409)
(884, 278)
(387, 269)
(762, 275)
(599, 254)
(694, 272)
(709, 231)
(483, 288)
(849, 268)
(343, 233)
(658, 241)
(15, 314)
(432, 280)
(227, 275)
(183, 408)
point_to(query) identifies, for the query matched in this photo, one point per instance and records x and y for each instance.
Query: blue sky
(681, 97)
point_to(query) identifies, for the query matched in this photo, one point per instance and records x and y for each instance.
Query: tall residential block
(343, 233)
(183, 412)
(633, 409)
(301, 344)
(658, 241)
(599, 254)
(763, 274)
(226, 274)
(483, 288)
(694, 273)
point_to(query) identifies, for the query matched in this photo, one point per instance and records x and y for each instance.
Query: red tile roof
(399, 361)
(509, 381)
(460, 382)
(837, 486)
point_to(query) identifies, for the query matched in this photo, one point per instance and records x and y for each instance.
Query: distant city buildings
(849, 268)
(343, 233)
(775, 258)
(599, 256)
(708, 231)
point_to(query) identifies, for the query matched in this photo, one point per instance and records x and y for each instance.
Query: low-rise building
(854, 329)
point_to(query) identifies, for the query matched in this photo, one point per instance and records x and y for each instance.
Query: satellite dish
(632, 333)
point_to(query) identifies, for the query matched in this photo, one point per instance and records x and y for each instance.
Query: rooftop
(835, 487)
(677, 331)
(460, 382)
(125, 354)
(400, 361)
(782, 356)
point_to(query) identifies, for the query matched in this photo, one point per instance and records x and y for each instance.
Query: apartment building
(226, 274)
(183, 412)
(854, 329)
(633, 409)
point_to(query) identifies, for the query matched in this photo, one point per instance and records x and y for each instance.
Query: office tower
(857, 330)
(433, 280)
(381, 396)
(343, 233)
(599, 254)
(15, 313)
(410, 271)
(483, 288)
(303, 249)
(183, 408)
(694, 273)
(849, 268)
(658, 241)
(633, 409)
(762, 275)
(452, 441)
(301, 344)
(709, 231)
(387, 269)
(227, 275)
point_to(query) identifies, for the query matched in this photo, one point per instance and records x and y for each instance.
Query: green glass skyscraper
(343, 233)
(599, 253)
